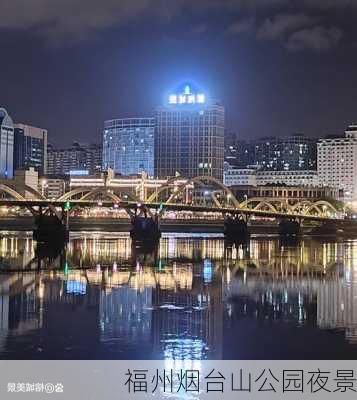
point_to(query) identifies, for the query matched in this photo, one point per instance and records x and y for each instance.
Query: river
(193, 297)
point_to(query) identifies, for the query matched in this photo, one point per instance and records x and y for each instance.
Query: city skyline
(178, 185)
(278, 69)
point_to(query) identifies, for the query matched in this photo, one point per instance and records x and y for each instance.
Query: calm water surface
(193, 297)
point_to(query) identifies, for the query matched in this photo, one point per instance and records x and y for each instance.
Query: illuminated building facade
(52, 188)
(289, 178)
(80, 157)
(30, 148)
(128, 145)
(6, 145)
(292, 153)
(291, 193)
(256, 177)
(239, 176)
(189, 136)
(238, 153)
(337, 163)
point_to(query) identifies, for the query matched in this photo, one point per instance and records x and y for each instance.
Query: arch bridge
(200, 194)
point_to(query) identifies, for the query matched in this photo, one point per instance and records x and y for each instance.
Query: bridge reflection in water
(192, 298)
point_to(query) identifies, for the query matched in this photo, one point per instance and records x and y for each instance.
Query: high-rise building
(78, 159)
(337, 163)
(30, 148)
(128, 145)
(189, 137)
(94, 158)
(292, 153)
(239, 153)
(6, 145)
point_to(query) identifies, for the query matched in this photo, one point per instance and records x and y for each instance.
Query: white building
(234, 176)
(289, 178)
(52, 188)
(337, 163)
(239, 176)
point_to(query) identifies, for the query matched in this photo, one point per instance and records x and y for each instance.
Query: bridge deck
(130, 205)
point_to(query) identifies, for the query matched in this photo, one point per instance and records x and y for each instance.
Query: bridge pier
(145, 229)
(236, 228)
(51, 229)
(289, 228)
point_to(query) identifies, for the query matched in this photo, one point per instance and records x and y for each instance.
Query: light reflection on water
(192, 298)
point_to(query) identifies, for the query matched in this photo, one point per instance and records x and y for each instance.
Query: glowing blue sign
(187, 97)
(78, 172)
(76, 287)
(207, 271)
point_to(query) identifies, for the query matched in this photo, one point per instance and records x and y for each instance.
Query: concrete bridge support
(289, 228)
(236, 228)
(145, 229)
(51, 228)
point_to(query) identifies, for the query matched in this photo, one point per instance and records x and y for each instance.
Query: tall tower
(189, 137)
(337, 164)
(30, 148)
(6, 145)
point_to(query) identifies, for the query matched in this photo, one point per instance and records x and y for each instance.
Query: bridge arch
(317, 205)
(17, 196)
(266, 204)
(74, 192)
(301, 205)
(200, 180)
(89, 192)
(258, 202)
(11, 192)
(102, 191)
(35, 193)
(327, 204)
(162, 188)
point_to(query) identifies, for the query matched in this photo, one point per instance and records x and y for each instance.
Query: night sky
(278, 66)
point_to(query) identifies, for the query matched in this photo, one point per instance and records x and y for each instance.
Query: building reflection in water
(173, 303)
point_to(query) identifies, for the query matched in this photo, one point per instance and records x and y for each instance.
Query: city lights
(182, 211)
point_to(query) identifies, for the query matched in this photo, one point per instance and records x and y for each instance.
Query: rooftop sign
(187, 97)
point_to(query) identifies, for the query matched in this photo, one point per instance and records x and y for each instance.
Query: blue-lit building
(6, 145)
(128, 145)
(189, 136)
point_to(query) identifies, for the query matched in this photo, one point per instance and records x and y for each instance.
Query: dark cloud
(279, 25)
(142, 47)
(241, 26)
(317, 38)
(329, 4)
(71, 18)
(300, 32)
(77, 19)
